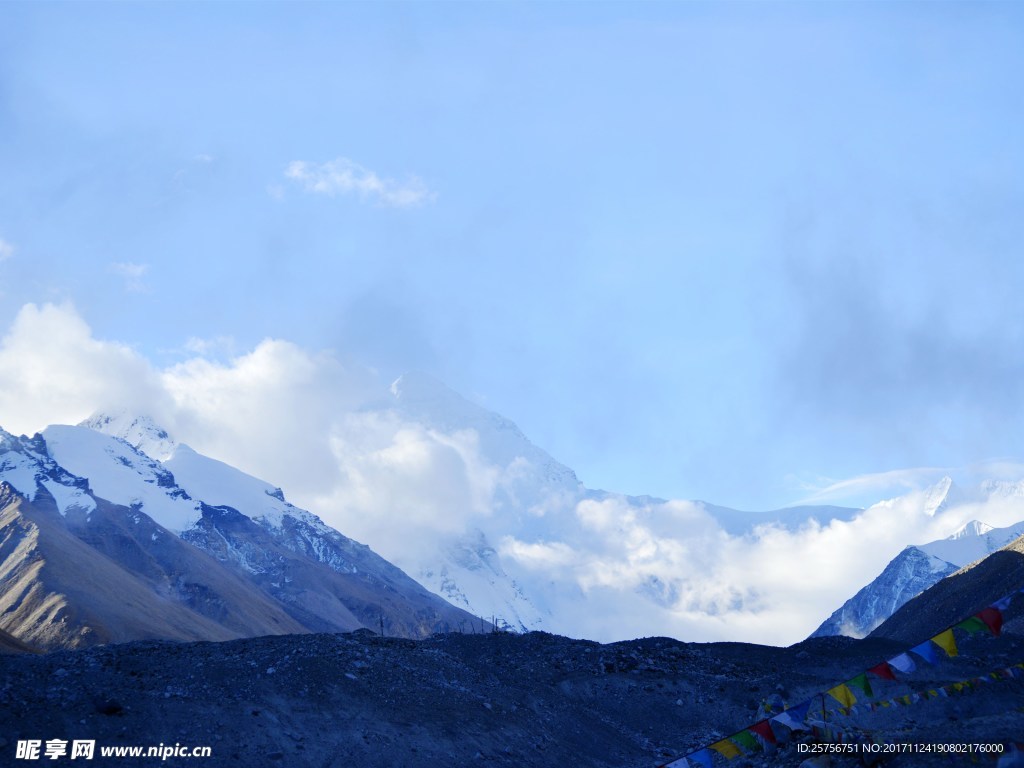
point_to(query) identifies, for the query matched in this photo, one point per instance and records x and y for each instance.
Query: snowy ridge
(972, 542)
(27, 467)
(121, 473)
(141, 432)
(220, 484)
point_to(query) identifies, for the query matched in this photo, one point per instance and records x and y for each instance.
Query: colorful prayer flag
(973, 624)
(764, 731)
(1002, 603)
(842, 694)
(926, 651)
(861, 681)
(993, 619)
(794, 717)
(726, 749)
(746, 740)
(883, 671)
(946, 642)
(904, 663)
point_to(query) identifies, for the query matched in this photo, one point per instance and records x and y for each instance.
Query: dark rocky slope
(466, 700)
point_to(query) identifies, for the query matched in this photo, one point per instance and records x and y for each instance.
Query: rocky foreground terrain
(361, 700)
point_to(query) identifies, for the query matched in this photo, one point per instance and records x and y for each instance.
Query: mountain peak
(941, 496)
(139, 431)
(7, 440)
(973, 528)
(417, 386)
(431, 403)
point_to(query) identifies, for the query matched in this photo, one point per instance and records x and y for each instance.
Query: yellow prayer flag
(726, 749)
(843, 695)
(946, 642)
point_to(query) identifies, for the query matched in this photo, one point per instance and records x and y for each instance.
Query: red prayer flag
(993, 618)
(883, 671)
(764, 730)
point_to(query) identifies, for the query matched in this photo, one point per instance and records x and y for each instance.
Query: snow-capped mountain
(537, 556)
(917, 568)
(531, 492)
(908, 574)
(228, 551)
(969, 589)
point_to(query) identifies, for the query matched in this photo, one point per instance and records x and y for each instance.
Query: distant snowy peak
(941, 496)
(429, 401)
(973, 528)
(972, 542)
(1002, 489)
(140, 432)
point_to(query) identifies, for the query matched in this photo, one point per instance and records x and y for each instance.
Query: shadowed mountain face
(960, 595)
(908, 574)
(78, 569)
(10, 644)
(918, 567)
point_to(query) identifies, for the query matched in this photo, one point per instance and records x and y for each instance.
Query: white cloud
(218, 346)
(269, 412)
(53, 371)
(343, 176)
(607, 567)
(872, 486)
(132, 274)
(668, 568)
(6, 250)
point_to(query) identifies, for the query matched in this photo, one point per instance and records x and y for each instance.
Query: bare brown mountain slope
(60, 590)
(960, 595)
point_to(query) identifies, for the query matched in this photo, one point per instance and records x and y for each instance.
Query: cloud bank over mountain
(414, 470)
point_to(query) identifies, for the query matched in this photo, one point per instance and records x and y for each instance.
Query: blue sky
(728, 251)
